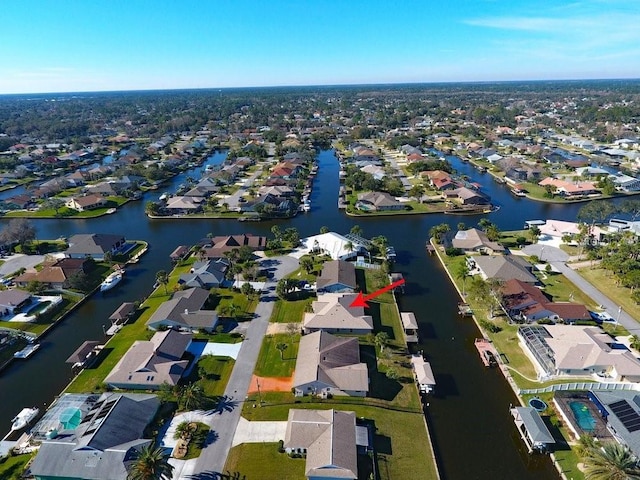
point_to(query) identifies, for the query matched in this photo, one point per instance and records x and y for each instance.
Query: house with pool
(578, 351)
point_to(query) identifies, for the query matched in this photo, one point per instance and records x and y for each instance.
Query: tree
(36, 287)
(324, 229)
(437, 231)
(152, 208)
(635, 342)
(356, 230)
(191, 397)
(162, 277)
(534, 233)
(231, 310)
(292, 329)
(182, 430)
(151, 464)
(462, 272)
(18, 230)
(381, 340)
(417, 191)
(55, 204)
(306, 263)
(79, 281)
(281, 347)
(611, 462)
(247, 290)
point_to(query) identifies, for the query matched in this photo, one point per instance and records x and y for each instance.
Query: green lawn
(287, 311)
(222, 298)
(214, 373)
(266, 463)
(44, 321)
(606, 283)
(12, 467)
(270, 364)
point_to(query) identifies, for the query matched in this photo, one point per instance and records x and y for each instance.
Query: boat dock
(409, 327)
(423, 373)
(464, 310)
(488, 353)
(27, 351)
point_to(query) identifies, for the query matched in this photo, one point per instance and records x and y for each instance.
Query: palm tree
(462, 272)
(162, 277)
(611, 462)
(381, 340)
(281, 347)
(191, 397)
(151, 464)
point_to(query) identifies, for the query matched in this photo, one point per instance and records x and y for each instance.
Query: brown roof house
(337, 276)
(378, 201)
(54, 275)
(474, 240)
(150, 363)
(330, 365)
(328, 438)
(331, 313)
(222, 244)
(184, 311)
(86, 202)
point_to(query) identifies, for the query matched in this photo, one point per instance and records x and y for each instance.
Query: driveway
(545, 252)
(258, 432)
(225, 418)
(18, 261)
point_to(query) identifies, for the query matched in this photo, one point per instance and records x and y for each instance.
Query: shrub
(280, 446)
(490, 327)
(453, 252)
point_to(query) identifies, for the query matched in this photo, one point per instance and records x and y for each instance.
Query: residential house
(474, 240)
(569, 189)
(184, 311)
(333, 244)
(86, 202)
(330, 365)
(337, 276)
(375, 171)
(575, 350)
(205, 274)
(182, 205)
(12, 300)
(54, 275)
(102, 445)
(148, 364)
(223, 244)
(502, 267)
(524, 302)
(378, 201)
(93, 245)
(328, 439)
(332, 313)
(467, 196)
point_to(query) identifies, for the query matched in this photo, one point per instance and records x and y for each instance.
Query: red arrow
(361, 300)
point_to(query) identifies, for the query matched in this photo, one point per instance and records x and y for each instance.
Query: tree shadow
(211, 438)
(374, 311)
(104, 353)
(380, 386)
(225, 404)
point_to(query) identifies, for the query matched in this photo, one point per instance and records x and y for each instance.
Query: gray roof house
(502, 267)
(337, 276)
(474, 240)
(330, 365)
(150, 363)
(93, 245)
(328, 438)
(378, 201)
(184, 310)
(13, 299)
(331, 313)
(103, 445)
(621, 412)
(206, 274)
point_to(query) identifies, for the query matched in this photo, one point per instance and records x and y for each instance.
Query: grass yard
(222, 300)
(12, 467)
(561, 289)
(401, 442)
(266, 463)
(606, 283)
(270, 363)
(214, 373)
(288, 311)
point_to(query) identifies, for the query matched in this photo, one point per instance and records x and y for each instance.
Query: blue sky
(90, 45)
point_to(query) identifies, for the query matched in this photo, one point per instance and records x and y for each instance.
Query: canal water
(473, 434)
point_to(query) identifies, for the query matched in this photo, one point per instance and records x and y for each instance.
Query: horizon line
(335, 85)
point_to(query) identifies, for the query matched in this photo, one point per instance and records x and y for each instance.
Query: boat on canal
(112, 280)
(23, 418)
(27, 351)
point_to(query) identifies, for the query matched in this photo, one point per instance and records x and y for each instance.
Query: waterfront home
(337, 276)
(182, 205)
(332, 313)
(569, 189)
(560, 230)
(150, 363)
(328, 440)
(277, 191)
(440, 180)
(474, 240)
(93, 245)
(329, 365)
(205, 274)
(54, 275)
(99, 445)
(220, 245)
(333, 244)
(526, 303)
(86, 202)
(12, 300)
(184, 311)
(467, 196)
(180, 253)
(574, 350)
(501, 267)
(378, 202)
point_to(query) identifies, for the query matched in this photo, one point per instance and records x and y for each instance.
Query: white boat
(23, 419)
(208, 168)
(111, 210)
(111, 281)
(27, 351)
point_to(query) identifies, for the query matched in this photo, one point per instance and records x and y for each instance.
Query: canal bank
(469, 422)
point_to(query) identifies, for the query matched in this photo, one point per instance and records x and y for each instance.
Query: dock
(27, 351)
(464, 310)
(424, 375)
(488, 353)
(430, 248)
(409, 327)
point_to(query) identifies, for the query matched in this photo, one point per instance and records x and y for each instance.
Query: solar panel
(626, 414)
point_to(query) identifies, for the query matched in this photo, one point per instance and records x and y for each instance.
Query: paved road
(18, 261)
(224, 420)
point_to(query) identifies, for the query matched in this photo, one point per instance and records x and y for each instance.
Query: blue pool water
(583, 416)
(538, 404)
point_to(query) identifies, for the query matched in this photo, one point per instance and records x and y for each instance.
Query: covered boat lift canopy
(532, 428)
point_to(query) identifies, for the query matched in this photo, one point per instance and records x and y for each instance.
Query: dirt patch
(270, 384)
(275, 328)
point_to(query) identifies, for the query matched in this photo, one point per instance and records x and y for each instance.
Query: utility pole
(259, 395)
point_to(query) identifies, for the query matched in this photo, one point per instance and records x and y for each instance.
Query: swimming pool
(583, 416)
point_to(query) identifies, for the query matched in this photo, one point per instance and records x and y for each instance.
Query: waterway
(473, 434)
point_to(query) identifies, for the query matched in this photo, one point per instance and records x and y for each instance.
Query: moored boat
(111, 281)
(23, 419)
(27, 351)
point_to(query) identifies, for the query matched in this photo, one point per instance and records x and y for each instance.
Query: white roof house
(331, 243)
